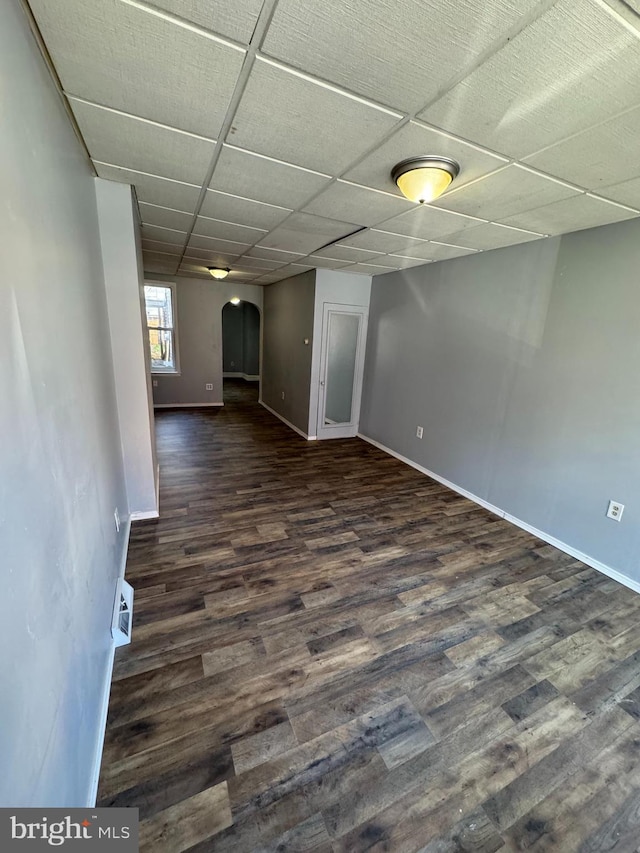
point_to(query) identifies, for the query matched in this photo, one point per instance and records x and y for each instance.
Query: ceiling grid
(261, 135)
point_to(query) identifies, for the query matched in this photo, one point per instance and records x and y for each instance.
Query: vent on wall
(122, 613)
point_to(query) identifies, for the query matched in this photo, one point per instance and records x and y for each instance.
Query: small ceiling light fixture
(423, 179)
(235, 300)
(219, 272)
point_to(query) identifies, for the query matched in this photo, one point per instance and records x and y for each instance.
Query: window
(159, 303)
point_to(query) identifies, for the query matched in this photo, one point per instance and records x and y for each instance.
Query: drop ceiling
(260, 136)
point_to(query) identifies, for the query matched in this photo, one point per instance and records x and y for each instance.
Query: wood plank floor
(333, 652)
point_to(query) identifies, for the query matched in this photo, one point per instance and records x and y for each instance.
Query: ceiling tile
(268, 278)
(405, 263)
(597, 157)
(277, 255)
(193, 265)
(175, 219)
(428, 223)
(127, 141)
(231, 208)
(211, 244)
(209, 259)
(155, 262)
(244, 275)
(227, 230)
(352, 203)
(390, 262)
(505, 193)
(327, 263)
(233, 18)
(164, 248)
(292, 269)
(305, 233)
(571, 68)
(436, 252)
(367, 269)
(153, 189)
(380, 241)
(248, 262)
(287, 116)
(251, 176)
(633, 9)
(397, 53)
(347, 253)
(627, 192)
(120, 56)
(492, 236)
(164, 235)
(413, 140)
(572, 214)
(214, 255)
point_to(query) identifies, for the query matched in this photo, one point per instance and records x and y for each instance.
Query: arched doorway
(240, 352)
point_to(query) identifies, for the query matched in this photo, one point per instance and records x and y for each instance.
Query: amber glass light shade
(423, 179)
(218, 272)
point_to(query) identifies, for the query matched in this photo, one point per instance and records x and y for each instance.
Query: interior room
(321, 418)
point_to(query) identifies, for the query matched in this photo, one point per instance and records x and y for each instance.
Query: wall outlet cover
(419, 432)
(615, 510)
(208, 386)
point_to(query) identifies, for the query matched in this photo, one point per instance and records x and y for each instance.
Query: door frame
(349, 430)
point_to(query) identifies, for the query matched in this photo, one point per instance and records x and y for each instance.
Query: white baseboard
(614, 574)
(106, 689)
(185, 405)
(248, 377)
(433, 476)
(141, 516)
(285, 421)
(610, 572)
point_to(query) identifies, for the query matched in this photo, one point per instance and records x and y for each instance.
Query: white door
(344, 332)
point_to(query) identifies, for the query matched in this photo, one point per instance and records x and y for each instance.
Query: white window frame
(155, 371)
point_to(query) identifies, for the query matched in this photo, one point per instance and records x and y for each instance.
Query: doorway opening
(240, 352)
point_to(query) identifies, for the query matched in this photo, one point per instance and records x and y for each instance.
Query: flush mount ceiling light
(235, 300)
(423, 179)
(219, 272)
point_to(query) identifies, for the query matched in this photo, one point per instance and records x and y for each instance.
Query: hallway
(332, 652)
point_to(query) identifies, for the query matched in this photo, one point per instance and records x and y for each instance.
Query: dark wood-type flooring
(332, 652)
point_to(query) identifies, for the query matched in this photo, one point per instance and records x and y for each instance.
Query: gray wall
(119, 238)
(521, 364)
(286, 360)
(60, 462)
(199, 303)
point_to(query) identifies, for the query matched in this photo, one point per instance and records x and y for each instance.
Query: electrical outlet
(615, 510)
(116, 518)
(155, 383)
(208, 386)
(233, 364)
(419, 432)
(282, 394)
